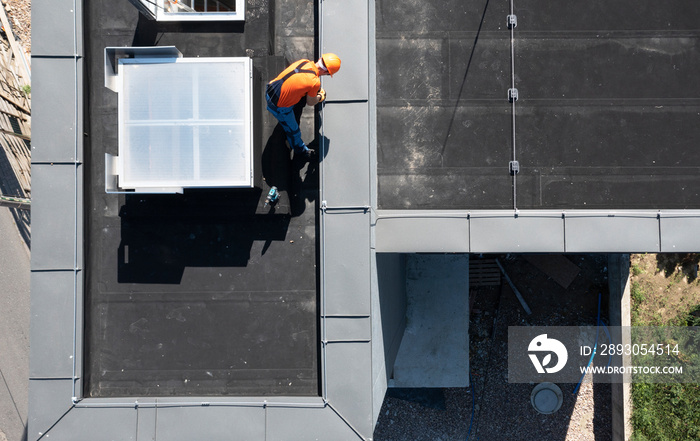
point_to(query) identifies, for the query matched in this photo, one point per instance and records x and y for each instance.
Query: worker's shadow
(295, 176)
(161, 235)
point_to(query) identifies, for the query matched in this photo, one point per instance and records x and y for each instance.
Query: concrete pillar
(434, 351)
(388, 320)
(619, 313)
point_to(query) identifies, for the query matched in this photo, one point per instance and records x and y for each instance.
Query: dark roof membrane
(606, 117)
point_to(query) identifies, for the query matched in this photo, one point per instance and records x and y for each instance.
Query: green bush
(667, 412)
(694, 317)
(637, 293)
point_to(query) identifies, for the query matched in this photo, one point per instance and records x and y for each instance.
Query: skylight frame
(186, 128)
(158, 10)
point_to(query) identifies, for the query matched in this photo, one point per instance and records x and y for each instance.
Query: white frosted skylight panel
(185, 123)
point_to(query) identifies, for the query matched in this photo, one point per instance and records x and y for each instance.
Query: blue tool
(272, 196)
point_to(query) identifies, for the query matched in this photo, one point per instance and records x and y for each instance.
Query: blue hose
(607, 332)
(595, 347)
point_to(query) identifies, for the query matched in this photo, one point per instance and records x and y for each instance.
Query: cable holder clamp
(512, 95)
(514, 167)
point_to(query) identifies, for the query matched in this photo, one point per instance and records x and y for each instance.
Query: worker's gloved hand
(321, 95)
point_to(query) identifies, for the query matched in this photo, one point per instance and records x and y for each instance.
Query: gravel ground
(19, 13)
(502, 410)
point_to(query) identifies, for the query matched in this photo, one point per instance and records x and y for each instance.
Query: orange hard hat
(332, 62)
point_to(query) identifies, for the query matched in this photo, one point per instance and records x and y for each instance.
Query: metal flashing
(530, 231)
(345, 218)
(346, 159)
(51, 332)
(678, 232)
(612, 232)
(54, 199)
(422, 231)
(294, 423)
(349, 372)
(524, 232)
(345, 32)
(146, 423)
(49, 401)
(217, 422)
(54, 28)
(348, 329)
(57, 227)
(55, 133)
(162, 402)
(82, 424)
(346, 272)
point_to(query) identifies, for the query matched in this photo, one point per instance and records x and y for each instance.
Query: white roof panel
(185, 122)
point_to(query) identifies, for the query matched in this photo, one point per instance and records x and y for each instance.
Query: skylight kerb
(192, 10)
(183, 122)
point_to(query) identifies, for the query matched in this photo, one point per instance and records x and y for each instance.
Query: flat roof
(607, 115)
(335, 212)
(87, 289)
(206, 292)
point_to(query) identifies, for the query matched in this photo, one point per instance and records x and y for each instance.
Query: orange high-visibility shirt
(299, 84)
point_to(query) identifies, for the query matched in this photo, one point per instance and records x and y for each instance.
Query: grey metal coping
(352, 382)
(537, 231)
(346, 192)
(57, 258)
(60, 21)
(55, 196)
(56, 255)
(60, 128)
(345, 31)
(57, 409)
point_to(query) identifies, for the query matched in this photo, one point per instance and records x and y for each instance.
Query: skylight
(192, 10)
(183, 123)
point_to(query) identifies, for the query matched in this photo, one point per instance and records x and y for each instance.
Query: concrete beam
(619, 312)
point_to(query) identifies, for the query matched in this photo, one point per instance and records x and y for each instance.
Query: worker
(301, 80)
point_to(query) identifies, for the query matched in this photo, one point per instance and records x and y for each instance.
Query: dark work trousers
(285, 115)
